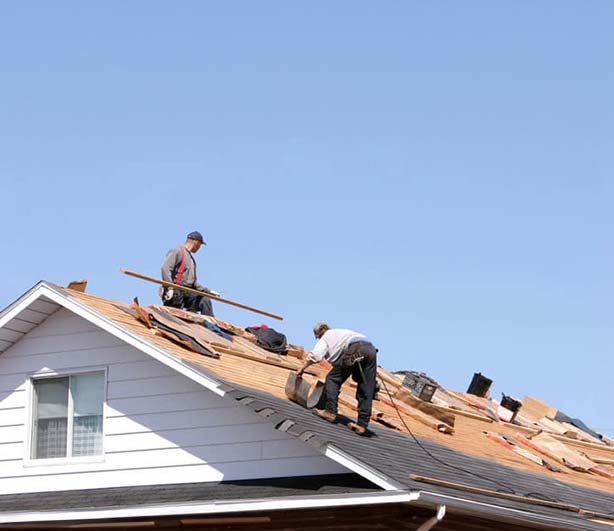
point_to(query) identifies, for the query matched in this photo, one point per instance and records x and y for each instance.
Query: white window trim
(28, 460)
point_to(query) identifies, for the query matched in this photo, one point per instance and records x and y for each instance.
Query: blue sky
(435, 174)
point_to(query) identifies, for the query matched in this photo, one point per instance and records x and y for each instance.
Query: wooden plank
(536, 409)
(78, 285)
(405, 396)
(495, 493)
(420, 417)
(201, 293)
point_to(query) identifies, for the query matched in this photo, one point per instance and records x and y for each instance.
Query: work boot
(357, 428)
(325, 414)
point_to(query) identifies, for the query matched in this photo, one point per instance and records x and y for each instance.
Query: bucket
(510, 403)
(479, 385)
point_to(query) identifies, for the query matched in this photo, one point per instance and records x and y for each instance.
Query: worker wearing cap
(179, 267)
(350, 354)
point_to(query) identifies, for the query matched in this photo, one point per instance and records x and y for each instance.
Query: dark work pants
(192, 303)
(365, 380)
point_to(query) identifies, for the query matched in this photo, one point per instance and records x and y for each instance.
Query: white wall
(160, 427)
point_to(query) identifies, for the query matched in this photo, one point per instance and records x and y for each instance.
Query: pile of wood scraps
(554, 449)
(547, 418)
(508, 443)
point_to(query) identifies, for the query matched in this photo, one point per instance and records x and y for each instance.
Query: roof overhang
(217, 507)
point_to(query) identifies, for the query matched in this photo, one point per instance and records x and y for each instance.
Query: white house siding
(160, 427)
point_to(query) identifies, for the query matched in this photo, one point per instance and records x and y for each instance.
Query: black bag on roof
(269, 339)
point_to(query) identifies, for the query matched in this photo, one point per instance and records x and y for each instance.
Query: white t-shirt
(332, 344)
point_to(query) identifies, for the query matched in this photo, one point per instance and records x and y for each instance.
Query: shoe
(325, 414)
(357, 428)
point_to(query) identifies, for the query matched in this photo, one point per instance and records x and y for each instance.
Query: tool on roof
(299, 391)
(198, 292)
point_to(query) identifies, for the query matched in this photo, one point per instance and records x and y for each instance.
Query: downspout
(432, 522)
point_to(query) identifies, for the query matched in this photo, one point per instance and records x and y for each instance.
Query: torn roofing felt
(454, 433)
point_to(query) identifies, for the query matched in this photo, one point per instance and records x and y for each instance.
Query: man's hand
(299, 372)
(169, 293)
(215, 293)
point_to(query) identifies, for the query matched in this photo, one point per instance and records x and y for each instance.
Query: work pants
(191, 303)
(365, 379)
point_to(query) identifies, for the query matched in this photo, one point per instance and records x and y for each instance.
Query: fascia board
(218, 507)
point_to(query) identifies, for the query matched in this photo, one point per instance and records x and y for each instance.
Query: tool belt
(353, 354)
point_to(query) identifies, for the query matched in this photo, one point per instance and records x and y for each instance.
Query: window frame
(28, 460)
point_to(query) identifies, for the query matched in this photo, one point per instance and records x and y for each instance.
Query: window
(68, 415)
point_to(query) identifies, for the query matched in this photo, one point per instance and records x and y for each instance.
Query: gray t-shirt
(171, 266)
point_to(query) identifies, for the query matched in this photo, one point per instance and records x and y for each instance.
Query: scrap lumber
(78, 285)
(481, 404)
(296, 351)
(573, 432)
(495, 493)
(379, 417)
(536, 409)
(180, 334)
(376, 416)
(389, 378)
(550, 447)
(419, 416)
(601, 460)
(448, 402)
(201, 293)
(200, 319)
(423, 417)
(502, 440)
(405, 396)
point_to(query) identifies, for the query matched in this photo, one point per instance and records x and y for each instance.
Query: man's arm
(170, 263)
(200, 287)
(315, 356)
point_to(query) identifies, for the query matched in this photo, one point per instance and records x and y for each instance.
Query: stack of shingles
(241, 344)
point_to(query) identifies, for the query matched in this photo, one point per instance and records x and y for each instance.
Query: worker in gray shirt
(179, 267)
(350, 354)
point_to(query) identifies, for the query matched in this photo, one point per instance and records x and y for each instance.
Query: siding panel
(12, 434)
(162, 403)
(170, 475)
(152, 386)
(184, 438)
(160, 427)
(122, 372)
(174, 420)
(29, 346)
(11, 400)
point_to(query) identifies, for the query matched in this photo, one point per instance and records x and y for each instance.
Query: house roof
(458, 463)
(158, 495)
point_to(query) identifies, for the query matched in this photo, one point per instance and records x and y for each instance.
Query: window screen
(68, 416)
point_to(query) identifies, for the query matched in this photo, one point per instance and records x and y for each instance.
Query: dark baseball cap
(196, 236)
